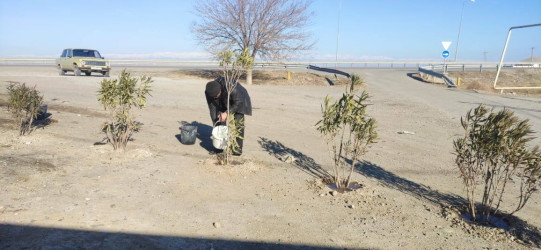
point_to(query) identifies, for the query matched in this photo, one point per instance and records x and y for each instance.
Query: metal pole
(501, 59)
(459, 28)
(505, 48)
(444, 66)
(338, 33)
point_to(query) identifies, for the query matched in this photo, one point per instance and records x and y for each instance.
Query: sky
(352, 30)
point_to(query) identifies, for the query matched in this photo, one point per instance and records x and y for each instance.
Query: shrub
(119, 96)
(348, 131)
(493, 153)
(24, 104)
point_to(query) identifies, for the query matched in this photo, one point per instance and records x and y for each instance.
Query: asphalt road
(396, 82)
(453, 101)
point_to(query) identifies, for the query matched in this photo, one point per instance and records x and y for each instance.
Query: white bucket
(219, 137)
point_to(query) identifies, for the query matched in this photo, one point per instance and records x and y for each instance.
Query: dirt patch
(76, 110)
(18, 168)
(59, 178)
(6, 123)
(4, 100)
(266, 77)
(515, 229)
(484, 81)
(239, 166)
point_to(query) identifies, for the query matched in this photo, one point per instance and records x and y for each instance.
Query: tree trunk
(248, 76)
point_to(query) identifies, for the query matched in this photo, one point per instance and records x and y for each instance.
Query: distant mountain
(529, 59)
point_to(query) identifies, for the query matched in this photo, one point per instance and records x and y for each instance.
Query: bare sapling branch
(233, 66)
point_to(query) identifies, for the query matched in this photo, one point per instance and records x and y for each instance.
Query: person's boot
(237, 153)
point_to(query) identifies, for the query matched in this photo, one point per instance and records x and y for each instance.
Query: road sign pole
(444, 66)
(445, 54)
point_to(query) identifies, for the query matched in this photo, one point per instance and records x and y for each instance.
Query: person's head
(213, 89)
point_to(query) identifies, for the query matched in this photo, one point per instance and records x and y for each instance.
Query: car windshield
(86, 53)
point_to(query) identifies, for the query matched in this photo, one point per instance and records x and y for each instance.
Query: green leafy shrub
(492, 154)
(348, 131)
(234, 127)
(119, 96)
(24, 104)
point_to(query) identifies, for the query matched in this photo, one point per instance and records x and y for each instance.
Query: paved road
(456, 102)
(396, 82)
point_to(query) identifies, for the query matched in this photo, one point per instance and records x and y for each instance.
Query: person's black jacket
(239, 101)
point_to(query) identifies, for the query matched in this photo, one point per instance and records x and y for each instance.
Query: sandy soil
(484, 81)
(59, 187)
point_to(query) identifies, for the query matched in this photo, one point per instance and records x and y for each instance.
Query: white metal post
(503, 54)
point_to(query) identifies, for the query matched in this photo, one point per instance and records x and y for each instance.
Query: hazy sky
(369, 30)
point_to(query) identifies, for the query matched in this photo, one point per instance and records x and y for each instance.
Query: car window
(85, 53)
(69, 53)
(64, 52)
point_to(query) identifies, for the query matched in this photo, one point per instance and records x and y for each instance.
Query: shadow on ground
(33, 237)
(329, 81)
(519, 228)
(204, 132)
(416, 77)
(300, 160)
(408, 187)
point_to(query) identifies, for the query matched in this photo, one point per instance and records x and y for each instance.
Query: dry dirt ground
(61, 188)
(484, 81)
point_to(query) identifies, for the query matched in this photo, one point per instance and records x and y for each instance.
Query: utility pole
(485, 56)
(338, 33)
(460, 27)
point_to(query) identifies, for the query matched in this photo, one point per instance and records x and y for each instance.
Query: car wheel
(60, 70)
(76, 70)
(105, 73)
(88, 73)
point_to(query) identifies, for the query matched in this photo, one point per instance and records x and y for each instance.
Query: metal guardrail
(433, 73)
(440, 70)
(468, 67)
(436, 66)
(144, 63)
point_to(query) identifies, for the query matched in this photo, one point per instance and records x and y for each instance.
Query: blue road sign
(445, 54)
